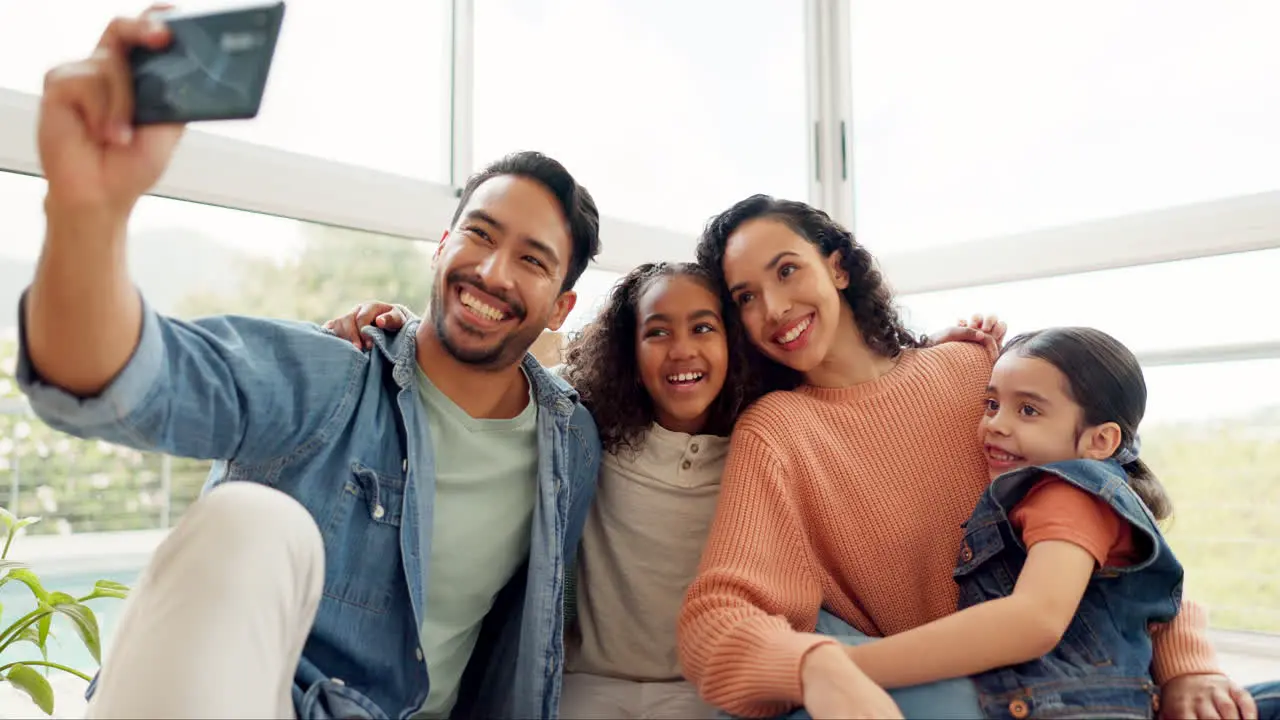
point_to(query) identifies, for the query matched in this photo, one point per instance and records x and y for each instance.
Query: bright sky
(970, 120)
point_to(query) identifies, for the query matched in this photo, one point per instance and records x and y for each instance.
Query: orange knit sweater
(849, 499)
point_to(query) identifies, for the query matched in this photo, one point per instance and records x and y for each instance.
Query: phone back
(214, 69)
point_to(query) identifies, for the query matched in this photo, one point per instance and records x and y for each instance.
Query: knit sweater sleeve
(736, 633)
(1182, 647)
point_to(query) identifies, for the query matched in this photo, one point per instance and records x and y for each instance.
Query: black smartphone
(214, 69)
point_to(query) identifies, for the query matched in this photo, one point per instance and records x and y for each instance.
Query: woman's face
(681, 350)
(787, 291)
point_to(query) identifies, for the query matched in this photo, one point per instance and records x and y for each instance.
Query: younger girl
(1062, 569)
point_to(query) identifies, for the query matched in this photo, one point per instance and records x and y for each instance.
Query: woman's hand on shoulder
(383, 315)
(988, 330)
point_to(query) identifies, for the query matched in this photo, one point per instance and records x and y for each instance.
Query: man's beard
(506, 352)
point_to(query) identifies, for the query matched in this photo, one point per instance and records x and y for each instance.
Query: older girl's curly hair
(868, 294)
(601, 363)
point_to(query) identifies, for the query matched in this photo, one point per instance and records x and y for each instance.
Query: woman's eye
(787, 270)
(657, 332)
(744, 298)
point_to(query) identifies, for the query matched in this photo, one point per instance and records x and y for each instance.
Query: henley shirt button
(686, 465)
(693, 447)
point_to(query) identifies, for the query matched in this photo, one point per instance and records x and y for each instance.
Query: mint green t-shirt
(486, 482)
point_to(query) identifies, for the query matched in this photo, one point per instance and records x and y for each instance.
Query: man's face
(499, 272)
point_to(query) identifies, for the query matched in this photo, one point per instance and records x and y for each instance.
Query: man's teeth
(795, 331)
(684, 377)
(480, 308)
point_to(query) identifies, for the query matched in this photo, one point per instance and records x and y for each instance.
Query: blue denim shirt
(289, 405)
(1102, 666)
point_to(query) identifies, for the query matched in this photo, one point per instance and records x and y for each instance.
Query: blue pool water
(66, 647)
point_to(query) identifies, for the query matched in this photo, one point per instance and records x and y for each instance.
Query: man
(400, 546)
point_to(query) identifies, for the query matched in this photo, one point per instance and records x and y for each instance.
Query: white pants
(216, 624)
(595, 697)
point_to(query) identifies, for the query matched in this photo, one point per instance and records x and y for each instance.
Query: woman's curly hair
(868, 295)
(601, 363)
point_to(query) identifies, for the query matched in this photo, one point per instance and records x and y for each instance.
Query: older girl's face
(788, 293)
(681, 350)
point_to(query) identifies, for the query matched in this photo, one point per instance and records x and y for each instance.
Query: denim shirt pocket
(362, 539)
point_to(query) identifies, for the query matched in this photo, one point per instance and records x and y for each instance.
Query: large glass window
(1207, 301)
(368, 88)
(668, 111)
(1212, 435)
(986, 118)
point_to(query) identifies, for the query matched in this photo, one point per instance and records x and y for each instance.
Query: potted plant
(35, 627)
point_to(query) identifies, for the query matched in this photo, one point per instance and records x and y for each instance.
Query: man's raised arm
(82, 315)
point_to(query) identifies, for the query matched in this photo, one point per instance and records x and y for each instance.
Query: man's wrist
(66, 219)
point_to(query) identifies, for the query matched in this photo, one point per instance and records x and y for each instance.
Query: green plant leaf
(33, 684)
(107, 589)
(27, 634)
(28, 578)
(8, 519)
(84, 621)
(42, 635)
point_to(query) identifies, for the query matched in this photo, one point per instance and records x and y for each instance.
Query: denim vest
(289, 405)
(1102, 666)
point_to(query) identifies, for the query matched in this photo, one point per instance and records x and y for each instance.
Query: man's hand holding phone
(97, 163)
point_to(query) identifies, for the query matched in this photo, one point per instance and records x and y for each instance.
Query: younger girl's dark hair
(868, 295)
(600, 362)
(1105, 380)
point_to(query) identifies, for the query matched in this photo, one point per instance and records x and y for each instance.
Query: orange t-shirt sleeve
(1057, 510)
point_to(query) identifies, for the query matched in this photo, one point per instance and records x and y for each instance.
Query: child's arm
(1069, 533)
(1024, 626)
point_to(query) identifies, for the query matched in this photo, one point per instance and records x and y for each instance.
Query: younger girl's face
(681, 350)
(1031, 418)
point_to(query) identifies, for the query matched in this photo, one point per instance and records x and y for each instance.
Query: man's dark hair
(575, 202)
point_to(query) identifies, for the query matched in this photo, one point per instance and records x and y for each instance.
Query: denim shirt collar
(401, 349)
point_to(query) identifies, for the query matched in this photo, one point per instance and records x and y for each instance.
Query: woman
(843, 496)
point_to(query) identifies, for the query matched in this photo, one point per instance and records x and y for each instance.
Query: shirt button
(418, 652)
(1019, 709)
(693, 448)
(337, 681)
(686, 465)
(378, 512)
